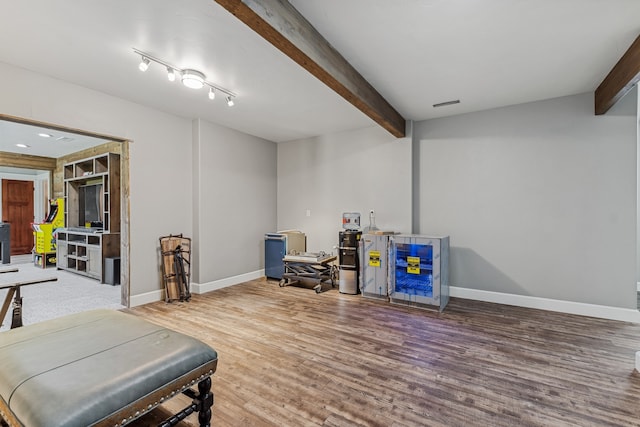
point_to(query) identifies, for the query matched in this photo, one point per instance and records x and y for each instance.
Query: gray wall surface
(347, 172)
(539, 199)
(236, 199)
(161, 143)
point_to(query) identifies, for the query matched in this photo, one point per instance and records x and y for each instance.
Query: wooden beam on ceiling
(620, 80)
(278, 22)
(26, 161)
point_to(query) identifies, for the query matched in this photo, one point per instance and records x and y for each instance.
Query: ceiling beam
(278, 22)
(26, 161)
(620, 80)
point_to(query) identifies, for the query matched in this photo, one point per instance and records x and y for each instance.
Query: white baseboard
(196, 288)
(146, 298)
(582, 309)
(592, 310)
(201, 288)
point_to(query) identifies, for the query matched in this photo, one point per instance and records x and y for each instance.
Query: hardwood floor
(291, 357)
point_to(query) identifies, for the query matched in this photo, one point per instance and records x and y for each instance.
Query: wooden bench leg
(202, 403)
(206, 402)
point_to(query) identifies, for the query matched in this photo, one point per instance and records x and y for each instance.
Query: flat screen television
(90, 205)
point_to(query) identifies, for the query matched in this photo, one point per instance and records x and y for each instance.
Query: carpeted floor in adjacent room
(71, 293)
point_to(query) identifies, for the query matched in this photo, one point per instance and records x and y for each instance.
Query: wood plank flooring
(291, 357)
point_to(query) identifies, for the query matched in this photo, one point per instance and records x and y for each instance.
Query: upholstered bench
(103, 368)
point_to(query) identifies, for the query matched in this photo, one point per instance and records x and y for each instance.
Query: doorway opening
(31, 148)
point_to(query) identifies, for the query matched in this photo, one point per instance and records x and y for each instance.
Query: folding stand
(176, 267)
(310, 267)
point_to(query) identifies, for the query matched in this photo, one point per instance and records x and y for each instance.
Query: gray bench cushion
(81, 369)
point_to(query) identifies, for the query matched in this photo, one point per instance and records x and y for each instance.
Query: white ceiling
(56, 144)
(416, 53)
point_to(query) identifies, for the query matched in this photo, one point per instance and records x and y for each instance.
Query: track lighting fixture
(189, 77)
(144, 64)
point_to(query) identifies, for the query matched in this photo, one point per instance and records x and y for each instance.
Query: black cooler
(348, 261)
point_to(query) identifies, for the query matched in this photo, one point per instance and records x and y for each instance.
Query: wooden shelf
(83, 252)
(103, 170)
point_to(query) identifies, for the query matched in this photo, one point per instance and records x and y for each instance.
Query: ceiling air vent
(64, 139)
(442, 104)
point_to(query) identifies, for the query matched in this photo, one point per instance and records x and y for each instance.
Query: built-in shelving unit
(91, 215)
(102, 170)
(84, 252)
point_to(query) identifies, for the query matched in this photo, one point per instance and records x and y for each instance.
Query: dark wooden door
(17, 210)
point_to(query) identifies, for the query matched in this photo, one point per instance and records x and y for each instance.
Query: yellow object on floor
(43, 233)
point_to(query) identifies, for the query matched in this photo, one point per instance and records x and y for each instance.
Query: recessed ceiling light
(45, 135)
(22, 145)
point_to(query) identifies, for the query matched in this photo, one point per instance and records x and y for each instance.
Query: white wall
(539, 199)
(160, 204)
(236, 200)
(346, 172)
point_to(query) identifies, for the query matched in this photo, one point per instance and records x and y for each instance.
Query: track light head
(193, 79)
(171, 74)
(144, 64)
(212, 94)
(230, 101)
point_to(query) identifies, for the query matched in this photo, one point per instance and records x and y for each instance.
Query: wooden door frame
(6, 159)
